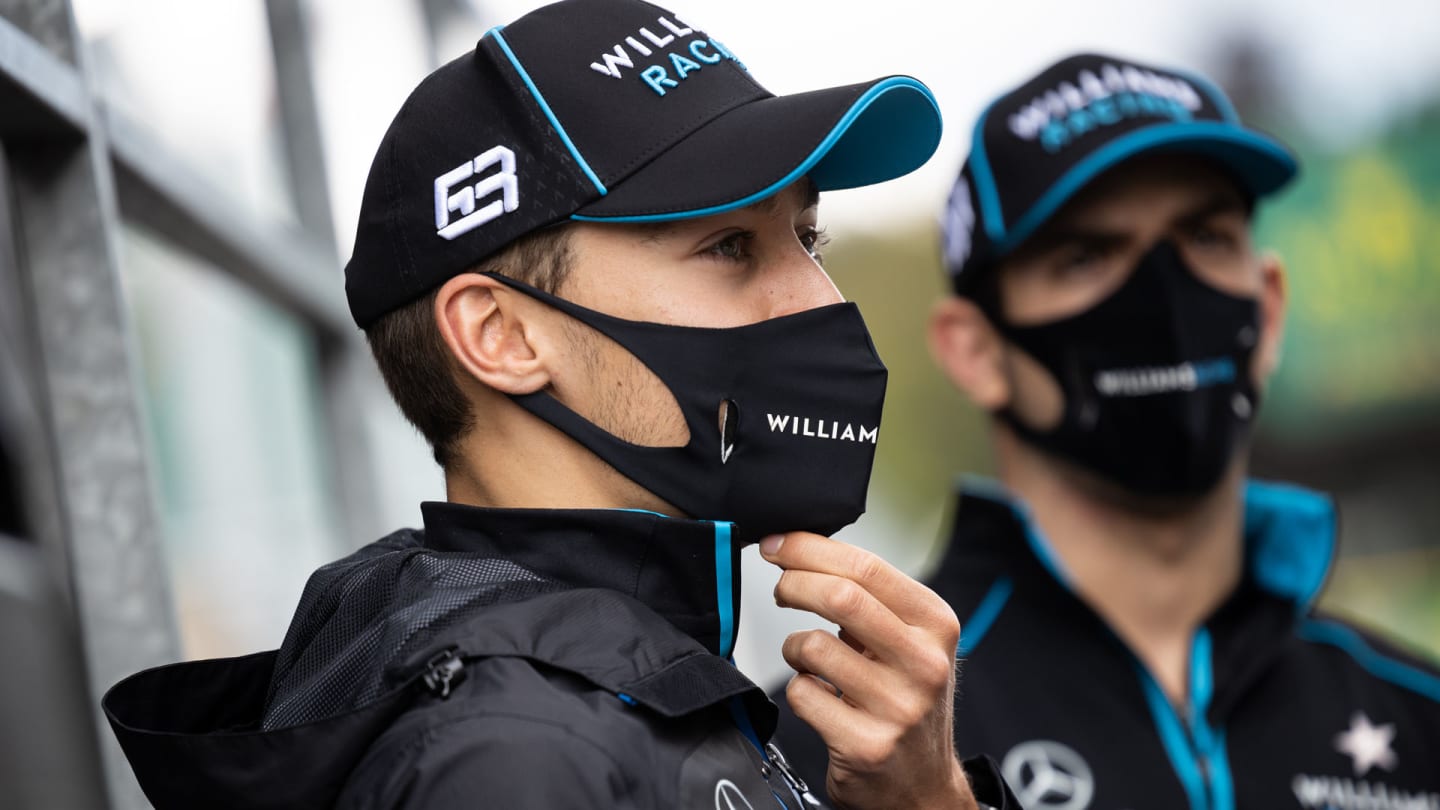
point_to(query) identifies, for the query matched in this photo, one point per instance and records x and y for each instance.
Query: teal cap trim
(900, 94)
(973, 630)
(1217, 96)
(1290, 535)
(992, 216)
(545, 108)
(1261, 163)
(1372, 661)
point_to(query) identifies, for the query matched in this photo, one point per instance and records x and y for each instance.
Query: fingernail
(771, 545)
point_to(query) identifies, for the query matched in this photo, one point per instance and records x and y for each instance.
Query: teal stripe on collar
(992, 490)
(724, 587)
(1290, 539)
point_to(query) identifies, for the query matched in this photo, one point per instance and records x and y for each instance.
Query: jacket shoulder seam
(1411, 676)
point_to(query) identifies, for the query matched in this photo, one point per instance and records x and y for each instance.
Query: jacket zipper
(797, 785)
(443, 672)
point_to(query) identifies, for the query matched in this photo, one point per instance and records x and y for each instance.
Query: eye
(1078, 258)
(732, 247)
(1210, 237)
(814, 240)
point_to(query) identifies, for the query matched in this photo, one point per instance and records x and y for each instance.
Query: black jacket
(1276, 691)
(516, 659)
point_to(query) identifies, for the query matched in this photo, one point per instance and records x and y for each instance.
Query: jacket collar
(688, 571)
(193, 729)
(1290, 536)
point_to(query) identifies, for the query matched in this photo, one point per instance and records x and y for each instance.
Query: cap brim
(841, 137)
(1257, 161)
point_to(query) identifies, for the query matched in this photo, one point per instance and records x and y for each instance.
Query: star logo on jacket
(729, 797)
(1047, 775)
(1367, 744)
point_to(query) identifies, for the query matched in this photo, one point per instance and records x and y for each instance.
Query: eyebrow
(1054, 238)
(1063, 233)
(810, 197)
(1221, 203)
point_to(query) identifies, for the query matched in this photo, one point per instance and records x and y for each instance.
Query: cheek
(1035, 397)
(610, 387)
(1039, 297)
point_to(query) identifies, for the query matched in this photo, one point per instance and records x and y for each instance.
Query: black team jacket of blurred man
(1139, 629)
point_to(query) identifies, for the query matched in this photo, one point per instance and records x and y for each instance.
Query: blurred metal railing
(74, 169)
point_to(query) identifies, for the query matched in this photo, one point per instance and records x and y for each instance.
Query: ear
(968, 349)
(1274, 291)
(490, 331)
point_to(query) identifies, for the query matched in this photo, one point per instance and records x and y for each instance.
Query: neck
(1153, 570)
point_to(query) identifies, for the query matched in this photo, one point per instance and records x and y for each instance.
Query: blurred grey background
(189, 422)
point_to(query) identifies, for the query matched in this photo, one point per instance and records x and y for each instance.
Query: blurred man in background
(1137, 613)
(587, 267)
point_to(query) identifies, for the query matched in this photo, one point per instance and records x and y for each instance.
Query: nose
(798, 283)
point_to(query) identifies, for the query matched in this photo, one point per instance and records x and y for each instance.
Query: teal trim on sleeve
(724, 588)
(973, 630)
(1371, 660)
(881, 88)
(545, 108)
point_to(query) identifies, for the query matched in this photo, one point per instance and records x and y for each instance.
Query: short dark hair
(417, 365)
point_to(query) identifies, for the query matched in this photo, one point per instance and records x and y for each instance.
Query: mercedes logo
(1046, 775)
(729, 797)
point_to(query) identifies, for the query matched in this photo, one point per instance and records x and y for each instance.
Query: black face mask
(1156, 378)
(783, 416)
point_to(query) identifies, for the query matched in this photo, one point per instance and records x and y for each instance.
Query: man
(1138, 617)
(586, 265)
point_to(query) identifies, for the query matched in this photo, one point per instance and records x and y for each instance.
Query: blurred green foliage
(1360, 234)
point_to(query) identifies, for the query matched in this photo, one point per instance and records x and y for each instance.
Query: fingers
(880, 692)
(901, 690)
(865, 620)
(865, 683)
(816, 702)
(908, 600)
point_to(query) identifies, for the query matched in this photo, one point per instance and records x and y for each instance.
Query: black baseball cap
(1035, 147)
(605, 111)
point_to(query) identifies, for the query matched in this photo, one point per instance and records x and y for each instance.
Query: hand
(881, 693)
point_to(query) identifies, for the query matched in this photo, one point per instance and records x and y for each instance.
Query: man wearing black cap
(586, 265)
(1138, 615)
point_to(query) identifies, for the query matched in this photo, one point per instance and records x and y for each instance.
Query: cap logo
(645, 44)
(1070, 109)
(958, 225)
(463, 200)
